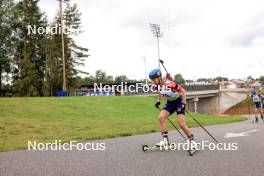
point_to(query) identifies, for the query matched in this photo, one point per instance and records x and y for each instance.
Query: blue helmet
(154, 73)
(254, 92)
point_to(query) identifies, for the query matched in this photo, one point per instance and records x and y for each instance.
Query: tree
(53, 70)
(261, 80)
(102, 77)
(121, 78)
(88, 80)
(219, 78)
(30, 64)
(8, 16)
(179, 79)
(74, 54)
(250, 78)
(35, 58)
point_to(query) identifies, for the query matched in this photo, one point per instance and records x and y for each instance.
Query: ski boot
(193, 147)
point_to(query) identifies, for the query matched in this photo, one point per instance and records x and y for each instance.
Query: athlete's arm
(159, 97)
(168, 76)
(183, 93)
(157, 104)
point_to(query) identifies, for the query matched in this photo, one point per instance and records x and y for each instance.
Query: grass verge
(81, 118)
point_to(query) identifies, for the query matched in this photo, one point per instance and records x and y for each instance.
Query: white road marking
(241, 134)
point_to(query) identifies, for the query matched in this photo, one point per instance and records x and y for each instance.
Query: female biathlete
(176, 101)
(257, 103)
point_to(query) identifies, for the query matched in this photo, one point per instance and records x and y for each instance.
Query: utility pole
(145, 62)
(64, 87)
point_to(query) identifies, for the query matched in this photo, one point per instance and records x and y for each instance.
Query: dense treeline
(30, 61)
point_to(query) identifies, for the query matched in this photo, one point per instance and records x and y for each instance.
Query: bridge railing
(190, 89)
(196, 88)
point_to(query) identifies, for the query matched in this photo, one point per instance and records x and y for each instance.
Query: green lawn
(81, 118)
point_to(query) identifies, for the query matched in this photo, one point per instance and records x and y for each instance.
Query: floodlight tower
(155, 28)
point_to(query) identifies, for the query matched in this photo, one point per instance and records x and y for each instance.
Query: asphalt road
(123, 156)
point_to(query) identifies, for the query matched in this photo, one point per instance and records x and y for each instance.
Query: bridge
(212, 99)
(208, 99)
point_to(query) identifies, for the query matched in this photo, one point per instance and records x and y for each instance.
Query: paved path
(123, 156)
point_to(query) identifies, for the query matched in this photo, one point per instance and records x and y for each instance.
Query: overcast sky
(201, 38)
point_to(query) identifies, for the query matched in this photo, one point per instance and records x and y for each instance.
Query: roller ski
(164, 144)
(147, 148)
(254, 119)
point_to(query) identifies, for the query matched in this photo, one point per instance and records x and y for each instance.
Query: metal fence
(87, 90)
(195, 88)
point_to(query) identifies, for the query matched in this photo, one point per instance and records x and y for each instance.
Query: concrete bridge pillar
(195, 101)
(216, 103)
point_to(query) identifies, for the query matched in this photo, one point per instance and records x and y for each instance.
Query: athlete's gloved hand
(183, 106)
(168, 76)
(157, 104)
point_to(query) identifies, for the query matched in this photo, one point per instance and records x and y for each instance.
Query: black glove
(157, 104)
(183, 106)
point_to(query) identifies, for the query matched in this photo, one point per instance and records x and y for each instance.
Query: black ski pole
(162, 63)
(203, 127)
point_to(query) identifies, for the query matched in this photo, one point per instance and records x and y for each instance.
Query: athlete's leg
(187, 131)
(181, 118)
(162, 120)
(163, 128)
(183, 126)
(258, 110)
(261, 110)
